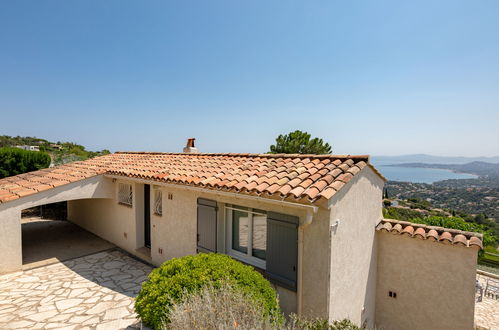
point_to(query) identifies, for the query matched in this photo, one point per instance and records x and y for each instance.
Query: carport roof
(307, 178)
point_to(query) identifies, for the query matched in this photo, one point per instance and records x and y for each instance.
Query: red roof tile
(439, 234)
(296, 177)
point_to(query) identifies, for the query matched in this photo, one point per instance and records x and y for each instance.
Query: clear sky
(376, 77)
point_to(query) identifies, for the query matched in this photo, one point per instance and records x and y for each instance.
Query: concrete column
(10, 240)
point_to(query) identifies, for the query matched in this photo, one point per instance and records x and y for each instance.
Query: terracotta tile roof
(306, 178)
(435, 234)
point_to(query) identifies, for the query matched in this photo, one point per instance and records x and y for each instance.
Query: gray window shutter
(282, 249)
(207, 225)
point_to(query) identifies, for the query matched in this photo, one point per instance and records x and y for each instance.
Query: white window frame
(244, 257)
(158, 202)
(125, 197)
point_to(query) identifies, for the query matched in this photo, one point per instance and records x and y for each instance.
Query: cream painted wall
(434, 282)
(315, 263)
(10, 214)
(352, 267)
(175, 231)
(10, 241)
(110, 220)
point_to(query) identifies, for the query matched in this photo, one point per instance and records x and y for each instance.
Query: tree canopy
(15, 161)
(299, 142)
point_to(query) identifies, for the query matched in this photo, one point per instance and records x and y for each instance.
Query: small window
(247, 234)
(125, 194)
(158, 202)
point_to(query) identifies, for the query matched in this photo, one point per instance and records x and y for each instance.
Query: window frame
(129, 194)
(245, 257)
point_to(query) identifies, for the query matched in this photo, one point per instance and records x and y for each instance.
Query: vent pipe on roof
(190, 148)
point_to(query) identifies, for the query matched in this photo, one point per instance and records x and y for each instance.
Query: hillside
(482, 169)
(430, 159)
(60, 152)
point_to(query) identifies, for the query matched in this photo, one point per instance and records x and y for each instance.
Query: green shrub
(177, 278)
(457, 223)
(14, 161)
(297, 323)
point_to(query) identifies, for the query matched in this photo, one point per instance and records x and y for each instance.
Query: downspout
(308, 220)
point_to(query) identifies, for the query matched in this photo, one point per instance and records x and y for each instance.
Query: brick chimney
(190, 148)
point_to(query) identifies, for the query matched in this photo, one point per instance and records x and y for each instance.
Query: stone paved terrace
(92, 292)
(487, 310)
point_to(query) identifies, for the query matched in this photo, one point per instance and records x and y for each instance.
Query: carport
(46, 241)
(39, 188)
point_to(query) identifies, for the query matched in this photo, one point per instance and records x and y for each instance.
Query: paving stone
(79, 319)
(21, 324)
(93, 321)
(100, 307)
(61, 317)
(116, 313)
(42, 316)
(6, 318)
(68, 303)
(113, 264)
(68, 295)
(24, 279)
(55, 325)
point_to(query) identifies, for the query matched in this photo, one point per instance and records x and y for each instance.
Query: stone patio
(487, 310)
(92, 292)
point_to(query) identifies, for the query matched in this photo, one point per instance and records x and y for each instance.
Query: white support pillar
(11, 258)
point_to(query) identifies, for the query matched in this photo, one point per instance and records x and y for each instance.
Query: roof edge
(245, 154)
(438, 229)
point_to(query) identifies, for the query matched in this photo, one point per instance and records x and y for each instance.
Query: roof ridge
(246, 154)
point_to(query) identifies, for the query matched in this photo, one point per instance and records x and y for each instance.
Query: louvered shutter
(282, 249)
(207, 225)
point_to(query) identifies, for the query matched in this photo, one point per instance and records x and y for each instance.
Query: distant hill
(60, 152)
(422, 158)
(482, 169)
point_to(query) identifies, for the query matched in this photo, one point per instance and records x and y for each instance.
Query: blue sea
(419, 175)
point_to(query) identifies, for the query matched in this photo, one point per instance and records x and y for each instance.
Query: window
(247, 234)
(125, 195)
(158, 202)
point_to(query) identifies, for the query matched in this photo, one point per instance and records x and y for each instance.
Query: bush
(14, 161)
(297, 323)
(217, 308)
(458, 223)
(173, 281)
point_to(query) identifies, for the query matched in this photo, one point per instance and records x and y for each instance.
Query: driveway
(91, 292)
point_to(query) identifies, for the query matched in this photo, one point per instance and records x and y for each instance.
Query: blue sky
(376, 77)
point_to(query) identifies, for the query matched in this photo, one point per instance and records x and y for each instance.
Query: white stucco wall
(116, 223)
(315, 266)
(434, 283)
(352, 267)
(10, 214)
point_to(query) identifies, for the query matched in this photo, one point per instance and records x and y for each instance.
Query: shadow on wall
(54, 211)
(368, 316)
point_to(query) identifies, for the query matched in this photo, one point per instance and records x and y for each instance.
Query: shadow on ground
(48, 241)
